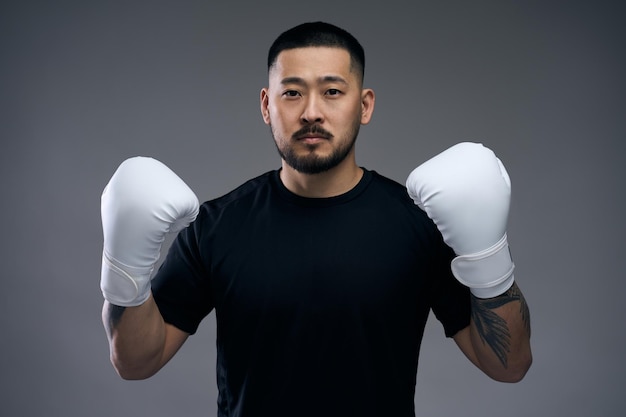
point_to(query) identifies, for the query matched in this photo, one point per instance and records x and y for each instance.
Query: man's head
(315, 101)
(314, 34)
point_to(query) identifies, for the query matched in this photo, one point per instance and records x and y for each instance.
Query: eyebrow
(324, 79)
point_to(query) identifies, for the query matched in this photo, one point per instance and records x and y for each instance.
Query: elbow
(132, 375)
(515, 373)
(131, 371)
(510, 377)
(133, 364)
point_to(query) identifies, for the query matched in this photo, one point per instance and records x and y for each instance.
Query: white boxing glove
(466, 191)
(143, 202)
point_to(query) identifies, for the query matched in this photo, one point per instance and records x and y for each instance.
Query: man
(321, 273)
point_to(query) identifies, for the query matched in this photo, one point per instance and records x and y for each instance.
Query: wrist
(487, 273)
(123, 285)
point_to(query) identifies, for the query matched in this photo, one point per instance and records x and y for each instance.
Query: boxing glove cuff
(488, 273)
(123, 285)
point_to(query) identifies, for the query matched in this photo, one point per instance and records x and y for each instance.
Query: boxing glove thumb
(143, 202)
(466, 191)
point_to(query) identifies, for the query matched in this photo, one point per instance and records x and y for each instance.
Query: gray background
(86, 84)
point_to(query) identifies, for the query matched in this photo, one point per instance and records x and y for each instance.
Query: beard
(312, 163)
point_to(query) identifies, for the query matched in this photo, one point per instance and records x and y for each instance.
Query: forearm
(500, 335)
(137, 338)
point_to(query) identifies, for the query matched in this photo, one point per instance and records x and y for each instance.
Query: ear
(264, 101)
(368, 98)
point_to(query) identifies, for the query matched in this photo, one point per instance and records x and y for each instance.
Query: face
(314, 106)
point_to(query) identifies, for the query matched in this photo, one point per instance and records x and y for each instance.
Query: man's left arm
(497, 340)
(466, 191)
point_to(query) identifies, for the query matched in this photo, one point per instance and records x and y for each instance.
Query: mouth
(312, 134)
(312, 139)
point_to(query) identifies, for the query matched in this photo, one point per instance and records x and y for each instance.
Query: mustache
(312, 130)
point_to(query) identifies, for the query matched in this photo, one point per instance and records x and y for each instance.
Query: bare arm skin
(140, 342)
(497, 340)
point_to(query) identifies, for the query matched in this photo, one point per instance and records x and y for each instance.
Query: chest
(325, 261)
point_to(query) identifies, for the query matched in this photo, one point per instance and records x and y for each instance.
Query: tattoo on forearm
(524, 311)
(492, 328)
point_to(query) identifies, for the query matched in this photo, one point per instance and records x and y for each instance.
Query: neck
(331, 183)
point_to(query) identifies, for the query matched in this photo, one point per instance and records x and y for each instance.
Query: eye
(333, 92)
(291, 94)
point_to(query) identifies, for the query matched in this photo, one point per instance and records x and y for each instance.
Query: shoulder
(386, 182)
(241, 194)
(227, 213)
(388, 188)
(393, 197)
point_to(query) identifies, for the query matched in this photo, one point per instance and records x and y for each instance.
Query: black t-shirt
(320, 303)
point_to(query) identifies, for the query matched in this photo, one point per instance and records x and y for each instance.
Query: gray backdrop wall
(86, 84)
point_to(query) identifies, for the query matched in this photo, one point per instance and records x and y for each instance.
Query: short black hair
(312, 34)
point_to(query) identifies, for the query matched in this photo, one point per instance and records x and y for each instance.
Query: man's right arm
(141, 204)
(140, 342)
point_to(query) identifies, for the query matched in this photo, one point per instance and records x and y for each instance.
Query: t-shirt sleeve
(181, 287)
(450, 299)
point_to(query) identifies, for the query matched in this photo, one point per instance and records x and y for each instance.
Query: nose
(312, 112)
